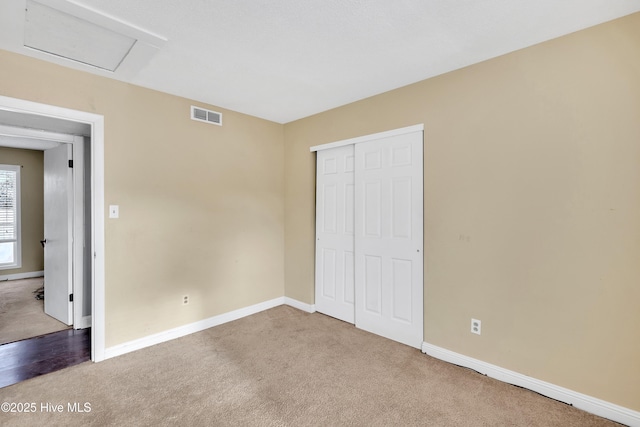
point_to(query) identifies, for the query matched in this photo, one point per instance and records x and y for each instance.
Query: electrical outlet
(185, 300)
(476, 326)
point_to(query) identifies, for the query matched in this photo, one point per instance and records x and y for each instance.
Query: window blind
(8, 204)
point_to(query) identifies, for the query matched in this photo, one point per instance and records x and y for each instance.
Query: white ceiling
(287, 59)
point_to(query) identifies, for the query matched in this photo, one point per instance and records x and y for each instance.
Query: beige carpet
(21, 315)
(283, 367)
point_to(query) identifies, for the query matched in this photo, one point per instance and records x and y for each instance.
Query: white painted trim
(374, 136)
(18, 132)
(191, 328)
(19, 276)
(98, 317)
(303, 306)
(97, 180)
(107, 21)
(17, 248)
(78, 238)
(201, 325)
(85, 322)
(26, 143)
(587, 403)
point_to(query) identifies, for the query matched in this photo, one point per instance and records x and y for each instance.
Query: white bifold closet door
(369, 235)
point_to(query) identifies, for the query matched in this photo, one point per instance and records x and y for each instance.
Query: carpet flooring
(281, 367)
(21, 314)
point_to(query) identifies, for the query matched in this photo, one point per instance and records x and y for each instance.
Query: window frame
(17, 245)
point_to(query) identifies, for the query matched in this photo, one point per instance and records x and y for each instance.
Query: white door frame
(79, 220)
(96, 122)
(44, 140)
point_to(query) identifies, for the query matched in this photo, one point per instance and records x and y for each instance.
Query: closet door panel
(334, 293)
(388, 240)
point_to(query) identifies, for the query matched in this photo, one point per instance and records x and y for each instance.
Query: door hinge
(70, 163)
(70, 297)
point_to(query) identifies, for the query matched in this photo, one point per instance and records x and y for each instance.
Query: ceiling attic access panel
(61, 34)
(77, 36)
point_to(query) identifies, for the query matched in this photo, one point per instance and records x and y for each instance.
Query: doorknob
(42, 242)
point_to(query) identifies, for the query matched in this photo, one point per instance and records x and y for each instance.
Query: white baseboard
(309, 308)
(191, 328)
(19, 276)
(201, 325)
(587, 403)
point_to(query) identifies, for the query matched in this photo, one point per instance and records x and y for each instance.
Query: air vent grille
(207, 116)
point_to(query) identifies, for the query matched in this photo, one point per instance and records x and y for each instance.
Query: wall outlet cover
(476, 326)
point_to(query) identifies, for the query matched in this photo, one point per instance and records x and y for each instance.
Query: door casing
(77, 219)
(96, 122)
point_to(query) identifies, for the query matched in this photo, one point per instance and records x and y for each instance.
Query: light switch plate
(114, 211)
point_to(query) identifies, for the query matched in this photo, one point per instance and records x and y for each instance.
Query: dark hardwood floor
(32, 357)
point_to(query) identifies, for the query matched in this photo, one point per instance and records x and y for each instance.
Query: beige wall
(201, 206)
(532, 206)
(32, 210)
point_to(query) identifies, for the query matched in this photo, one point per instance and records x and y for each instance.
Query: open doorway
(46, 119)
(22, 314)
(21, 255)
(46, 219)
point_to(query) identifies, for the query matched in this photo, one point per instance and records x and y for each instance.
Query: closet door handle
(42, 242)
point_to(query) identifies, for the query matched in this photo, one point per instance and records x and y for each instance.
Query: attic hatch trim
(58, 33)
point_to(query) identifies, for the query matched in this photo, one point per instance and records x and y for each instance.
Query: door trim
(96, 121)
(372, 137)
(79, 321)
(33, 139)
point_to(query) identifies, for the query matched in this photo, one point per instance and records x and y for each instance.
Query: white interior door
(335, 233)
(389, 237)
(58, 252)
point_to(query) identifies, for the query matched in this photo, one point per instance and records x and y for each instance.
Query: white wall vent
(207, 116)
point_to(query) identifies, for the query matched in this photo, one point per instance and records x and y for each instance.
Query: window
(10, 217)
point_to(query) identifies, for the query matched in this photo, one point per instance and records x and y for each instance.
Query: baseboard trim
(190, 328)
(18, 276)
(303, 306)
(587, 403)
(201, 325)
